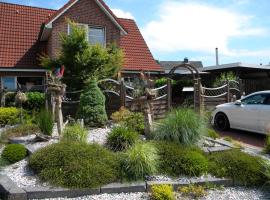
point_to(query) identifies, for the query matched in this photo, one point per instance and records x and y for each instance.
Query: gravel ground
(98, 135)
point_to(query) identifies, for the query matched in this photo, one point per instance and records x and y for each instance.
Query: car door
(264, 116)
(246, 115)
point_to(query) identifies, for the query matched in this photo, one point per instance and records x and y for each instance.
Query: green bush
(178, 160)
(241, 167)
(75, 165)
(10, 99)
(92, 105)
(267, 144)
(221, 80)
(162, 192)
(132, 120)
(9, 115)
(212, 133)
(182, 126)
(35, 101)
(45, 122)
(19, 131)
(121, 138)
(140, 160)
(14, 152)
(74, 133)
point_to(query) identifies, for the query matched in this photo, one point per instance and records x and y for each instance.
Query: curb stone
(123, 188)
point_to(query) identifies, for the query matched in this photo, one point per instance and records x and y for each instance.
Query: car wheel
(222, 122)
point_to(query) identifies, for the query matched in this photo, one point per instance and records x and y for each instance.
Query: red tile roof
(20, 27)
(19, 30)
(137, 53)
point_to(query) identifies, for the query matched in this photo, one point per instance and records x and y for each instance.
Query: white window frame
(87, 27)
(15, 81)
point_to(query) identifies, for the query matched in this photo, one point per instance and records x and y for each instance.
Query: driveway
(249, 138)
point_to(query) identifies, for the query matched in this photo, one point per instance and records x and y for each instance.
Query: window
(9, 83)
(256, 99)
(95, 35)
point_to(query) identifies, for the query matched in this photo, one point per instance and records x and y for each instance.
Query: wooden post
(228, 91)
(122, 93)
(169, 93)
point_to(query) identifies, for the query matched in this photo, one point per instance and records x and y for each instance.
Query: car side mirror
(238, 103)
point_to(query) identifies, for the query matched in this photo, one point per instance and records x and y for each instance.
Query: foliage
(132, 120)
(212, 133)
(267, 144)
(140, 160)
(74, 133)
(241, 167)
(223, 78)
(18, 131)
(82, 60)
(194, 191)
(121, 138)
(162, 192)
(178, 160)
(14, 152)
(45, 122)
(35, 101)
(183, 126)
(75, 165)
(10, 99)
(163, 81)
(9, 115)
(228, 139)
(92, 105)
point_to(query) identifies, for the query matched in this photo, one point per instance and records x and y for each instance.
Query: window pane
(96, 36)
(9, 83)
(255, 99)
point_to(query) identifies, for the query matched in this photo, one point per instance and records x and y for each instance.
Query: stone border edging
(10, 191)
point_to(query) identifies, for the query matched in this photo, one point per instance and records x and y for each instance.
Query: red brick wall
(86, 12)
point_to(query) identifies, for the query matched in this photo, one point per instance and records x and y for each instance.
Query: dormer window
(95, 34)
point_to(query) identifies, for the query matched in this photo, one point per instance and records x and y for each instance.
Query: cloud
(197, 27)
(122, 14)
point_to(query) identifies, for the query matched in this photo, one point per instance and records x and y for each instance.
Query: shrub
(75, 165)
(92, 105)
(121, 138)
(35, 101)
(140, 160)
(10, 99)
(241, 167)
(182, 126)
(74, 133)
(178, 160)
(212, 133)
(194, 191)
(132, 120)
(9, 115)
(162, 192)
(14, 152)
(267, 144)
(221, 80)
(18, 131)
(45, 122)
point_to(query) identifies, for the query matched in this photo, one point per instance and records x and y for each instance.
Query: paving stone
(218, 149)
(43, 192)
(124, 188)
(9, 190)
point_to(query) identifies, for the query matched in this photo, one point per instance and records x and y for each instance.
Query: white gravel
(98, 135)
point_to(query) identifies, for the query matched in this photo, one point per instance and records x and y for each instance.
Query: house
(27, 32)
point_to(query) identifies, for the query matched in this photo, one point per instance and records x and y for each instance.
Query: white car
(251, 113)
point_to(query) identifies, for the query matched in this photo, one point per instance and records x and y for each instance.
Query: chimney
(217, 57)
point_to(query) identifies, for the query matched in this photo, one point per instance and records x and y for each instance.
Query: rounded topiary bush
(139, 161)
(182, 126)
(178, 160)
(121, 138)
(162, 192)
(75, 165)
(14, 152)
(241, 167)
(92, 105)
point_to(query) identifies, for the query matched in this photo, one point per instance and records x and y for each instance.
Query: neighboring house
(27, 32)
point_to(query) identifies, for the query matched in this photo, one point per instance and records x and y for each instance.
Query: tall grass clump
(74, 133)
(139, 161)
(121, 138)
(45, 122)
(182, 126)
